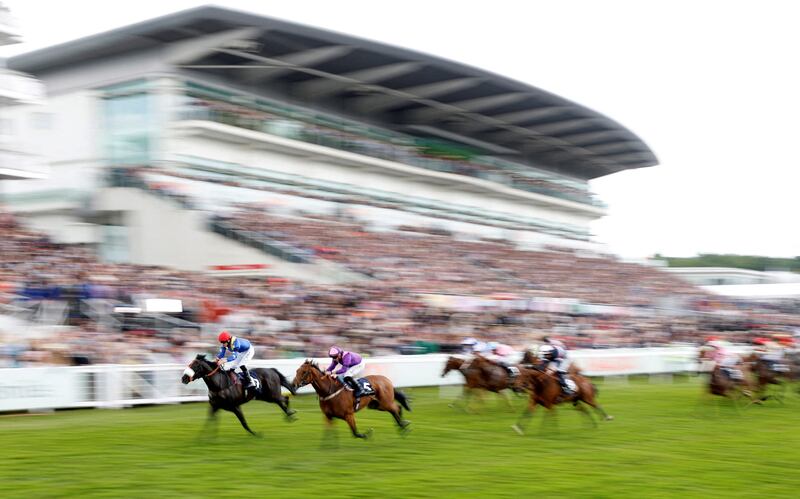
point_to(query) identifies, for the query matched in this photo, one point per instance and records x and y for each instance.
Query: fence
(44, 388)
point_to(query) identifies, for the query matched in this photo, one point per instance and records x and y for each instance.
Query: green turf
(662, 444)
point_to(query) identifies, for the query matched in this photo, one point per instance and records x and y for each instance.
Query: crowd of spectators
(386, 314)
(439, 263)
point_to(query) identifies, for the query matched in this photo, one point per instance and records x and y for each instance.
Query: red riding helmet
(224, 337)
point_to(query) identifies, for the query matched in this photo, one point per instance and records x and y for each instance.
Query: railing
(123, 385)
(403, 151)
(259, 241)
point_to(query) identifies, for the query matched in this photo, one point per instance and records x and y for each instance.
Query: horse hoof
(517, 429)
(609, 418)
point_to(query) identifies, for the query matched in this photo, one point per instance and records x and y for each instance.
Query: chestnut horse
(544, 390)
(722, 383)
(336, 401)
(479, 373)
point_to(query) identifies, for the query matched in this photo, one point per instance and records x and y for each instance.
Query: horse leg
(599, 408)
(550, 419)
(283, 403)
(504, 396)
(330, 435)
(212, 421)
(240, 415)
(351, 422)
(397, 413)
(469, 392)
(579, 405)
(524, 418)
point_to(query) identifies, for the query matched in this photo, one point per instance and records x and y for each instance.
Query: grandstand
(16, 163)
(304, 187)
(227, 106)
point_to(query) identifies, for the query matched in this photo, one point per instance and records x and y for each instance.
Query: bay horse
(336, 401)
(545, 390)
(226, 392)
(479, 374)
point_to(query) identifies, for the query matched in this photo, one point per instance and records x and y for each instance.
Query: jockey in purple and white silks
(351, 366)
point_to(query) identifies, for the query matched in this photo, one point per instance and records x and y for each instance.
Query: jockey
(724, 358)
(503, 356)
(554, 354)
(241, 351)
(351, 366)
(468, 345)
(770, 352)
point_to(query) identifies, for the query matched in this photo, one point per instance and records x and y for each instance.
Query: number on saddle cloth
(256, 386)
(570, 384)
(365, 386)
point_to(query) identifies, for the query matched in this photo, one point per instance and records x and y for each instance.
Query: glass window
(128, 128)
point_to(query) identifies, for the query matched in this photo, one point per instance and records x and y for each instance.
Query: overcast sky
(712, 86)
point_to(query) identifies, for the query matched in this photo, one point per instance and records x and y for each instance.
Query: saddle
(732, 373)
(365, 387)
(254, 388)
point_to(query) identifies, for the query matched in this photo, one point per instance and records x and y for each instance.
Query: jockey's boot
(353, 385)
(562, 380)
(247, 380)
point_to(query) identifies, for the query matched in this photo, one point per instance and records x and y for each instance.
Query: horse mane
(313, 364)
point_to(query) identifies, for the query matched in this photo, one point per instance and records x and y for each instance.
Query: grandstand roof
(397, 88)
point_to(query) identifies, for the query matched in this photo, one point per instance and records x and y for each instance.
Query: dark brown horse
(765, 374)
(545, 390)
(336, 401)
(479, 374)
(225, 392)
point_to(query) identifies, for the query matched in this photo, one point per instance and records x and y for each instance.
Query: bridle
(321, 375)
(190, 372)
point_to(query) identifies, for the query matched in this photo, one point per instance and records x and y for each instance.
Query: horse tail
(285, 382)
(401, 397)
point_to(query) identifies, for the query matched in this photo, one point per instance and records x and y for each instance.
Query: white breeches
(241, 358)
(355, 371)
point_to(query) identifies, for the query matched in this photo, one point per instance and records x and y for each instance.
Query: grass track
(662, 444)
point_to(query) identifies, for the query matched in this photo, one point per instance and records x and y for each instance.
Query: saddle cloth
(256, 386)
(365, 386)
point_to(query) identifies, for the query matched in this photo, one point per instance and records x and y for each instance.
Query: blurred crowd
(386, 314)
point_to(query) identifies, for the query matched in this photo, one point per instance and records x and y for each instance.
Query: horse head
(524, 381)
(306, 373)
(452, 363)
(198, 368)
(529, 358)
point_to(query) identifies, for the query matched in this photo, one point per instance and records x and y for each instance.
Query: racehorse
(545, 390)
(765, 375)
(479, 373)
(337, 402)
(529, 358)
(721, 382)
(225, 392)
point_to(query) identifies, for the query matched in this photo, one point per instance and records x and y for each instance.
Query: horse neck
(322, 385)
(218, 381)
